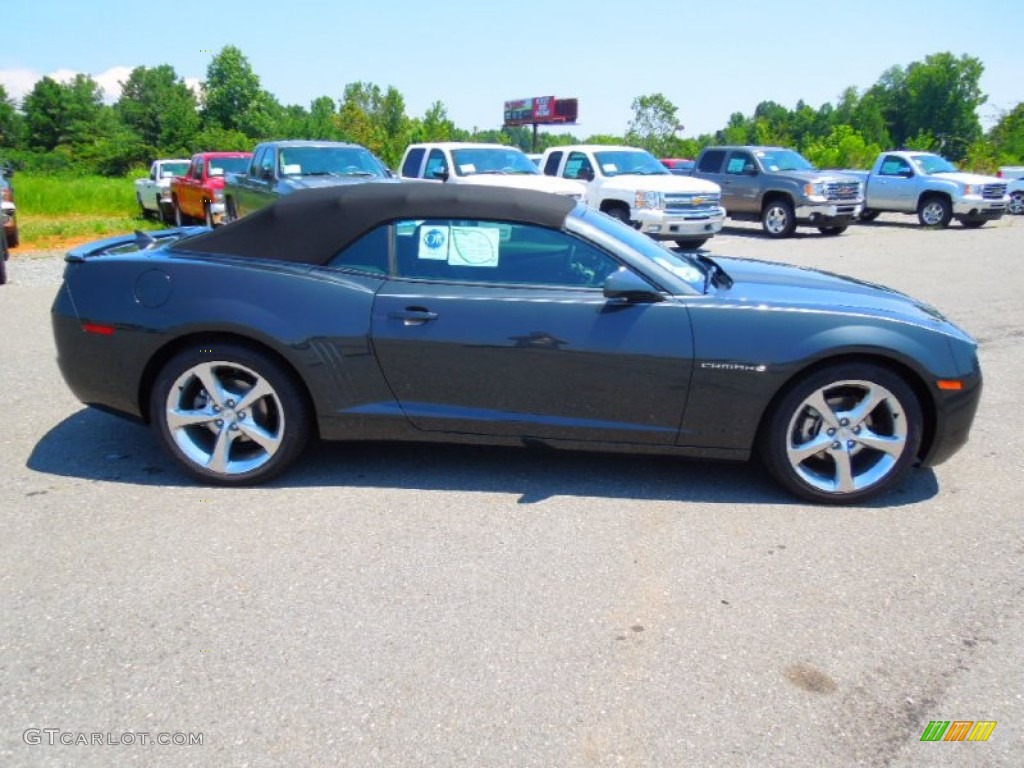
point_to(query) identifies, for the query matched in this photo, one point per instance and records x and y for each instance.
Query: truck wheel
(620, 213)
(869, 215)
(161, 213)
(934, 212)
(230, 212)
(180, 219)
(777, 219)
(832, 230)
(208, 216)
(142, 209)
(691, 245)
(1017, 203)
(12, 238)
(974, 224)
(3, 271)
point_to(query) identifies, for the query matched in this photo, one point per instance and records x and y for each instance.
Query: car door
(894, 188)
(503, 329)
(741, 187)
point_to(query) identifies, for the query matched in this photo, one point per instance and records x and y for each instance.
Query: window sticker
(760, 154)
(735, 165)
(434, 243)
(609, 167)
(473, 247)
(293, 169)
(773, 167)
(504, 232)
(467, 168)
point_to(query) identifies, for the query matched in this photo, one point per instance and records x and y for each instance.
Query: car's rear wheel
(843, 434)
(691, 245)
(229, 414)
(1017, 203)
(777, 219)
(934, 212)
(832, 230)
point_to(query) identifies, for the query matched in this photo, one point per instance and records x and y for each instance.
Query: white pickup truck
(494, 165)
(633, 186)
(930, 186)
(153, 192)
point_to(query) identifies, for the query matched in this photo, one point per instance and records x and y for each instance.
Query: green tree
(231, 90)
(159, 107)
(654, 124)
(842, 148)
(61, 113)
(1007, 136)
(8, 119)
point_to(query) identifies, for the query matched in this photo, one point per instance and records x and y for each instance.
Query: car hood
(316, 182)
(819, 176)
(685, 185)
(527, 181)
(967, 178)
(787, 286)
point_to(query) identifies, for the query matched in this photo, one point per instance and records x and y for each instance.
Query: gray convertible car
(477, 315)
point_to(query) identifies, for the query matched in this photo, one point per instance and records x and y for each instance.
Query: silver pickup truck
(781, 189)
(932, 187)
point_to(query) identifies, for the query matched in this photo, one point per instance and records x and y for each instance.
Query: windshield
(783, 160)
(175, 169)
(329, 161)
(678, 264)
(492, 160)
(221, 165)
(929, 164)
(623, 162)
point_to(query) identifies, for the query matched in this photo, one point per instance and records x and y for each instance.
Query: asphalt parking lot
(442, 606)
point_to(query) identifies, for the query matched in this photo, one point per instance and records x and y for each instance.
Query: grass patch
(49, 196)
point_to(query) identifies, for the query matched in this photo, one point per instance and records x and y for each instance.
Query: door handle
(413, 315)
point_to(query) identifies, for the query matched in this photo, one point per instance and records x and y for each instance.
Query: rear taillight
(999, 174)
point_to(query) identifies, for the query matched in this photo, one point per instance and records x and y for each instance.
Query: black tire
(180, 219)
(230, 212)
(160, 215)
(832, 231)
(221, 438)
(777, 219)
(976, 224)
(208, 216)
(1016, 203)
(142, 208)
(934, 212)
(691, 245)
(3, 269)
(13, 238)
(869, 215)
(795, 427)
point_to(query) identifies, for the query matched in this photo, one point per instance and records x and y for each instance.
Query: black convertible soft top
(312, 225)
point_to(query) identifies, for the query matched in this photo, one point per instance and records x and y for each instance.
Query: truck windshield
(625, 162)
(329, 161)
(492, 160)
(783, 160)
(221, 165)
(175, 169)
(930, 164)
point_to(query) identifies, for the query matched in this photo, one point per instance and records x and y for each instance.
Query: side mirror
(8, 171)
(586, 175)
(906, 173)
(750, 171)
(629, 286)
(267, 174)
(440, 174)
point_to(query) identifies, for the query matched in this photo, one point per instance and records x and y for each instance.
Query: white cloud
(19, 82)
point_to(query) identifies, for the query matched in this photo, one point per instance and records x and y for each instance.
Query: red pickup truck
(199, 194)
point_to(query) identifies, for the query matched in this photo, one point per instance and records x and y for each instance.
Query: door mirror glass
(626, 285)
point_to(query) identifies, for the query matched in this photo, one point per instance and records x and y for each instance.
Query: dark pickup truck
(281, 167)
(779, 188)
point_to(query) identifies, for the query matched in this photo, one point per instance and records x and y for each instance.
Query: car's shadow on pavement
(759, 234)
(95, 446)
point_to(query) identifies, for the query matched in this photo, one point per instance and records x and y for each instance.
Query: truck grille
(842, 190)
(993, 191)
(693, 204)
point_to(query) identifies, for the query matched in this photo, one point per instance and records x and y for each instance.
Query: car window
(436, 164)
(197, 169)
(711, 161)
(893, 166)
(411, 166)
(257, 160)
(578, 166)
(551, 165)
(220, 166)
(496, 252)
(739, 164)
(367, 254)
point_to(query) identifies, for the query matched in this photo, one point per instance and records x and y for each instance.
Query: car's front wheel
(935, 212)
(777, 219)
(843, 434)
(229, 414)
(838, 230)
(869, 215)
(208, 216)
(691, 245)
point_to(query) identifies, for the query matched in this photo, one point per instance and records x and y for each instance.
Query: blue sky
(709, 59)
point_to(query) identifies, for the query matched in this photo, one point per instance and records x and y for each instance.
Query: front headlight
(817, 189)
(648, 199)
(218, 195)
(972, 190)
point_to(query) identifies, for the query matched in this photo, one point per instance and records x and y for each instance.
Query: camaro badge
(735, 367)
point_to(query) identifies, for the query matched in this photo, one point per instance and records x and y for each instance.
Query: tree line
(67, 127)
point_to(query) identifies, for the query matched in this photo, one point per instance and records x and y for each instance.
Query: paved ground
(409, 606)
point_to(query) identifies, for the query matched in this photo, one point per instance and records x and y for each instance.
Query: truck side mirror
(440, 174)
(267, 174)
(906, 173)
(585, 174)
(750, 170)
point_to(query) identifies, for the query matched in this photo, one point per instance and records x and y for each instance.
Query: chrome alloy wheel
(225, 417)
(776, 219)
(847, 436)
(933, 213)
(1017, 203)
